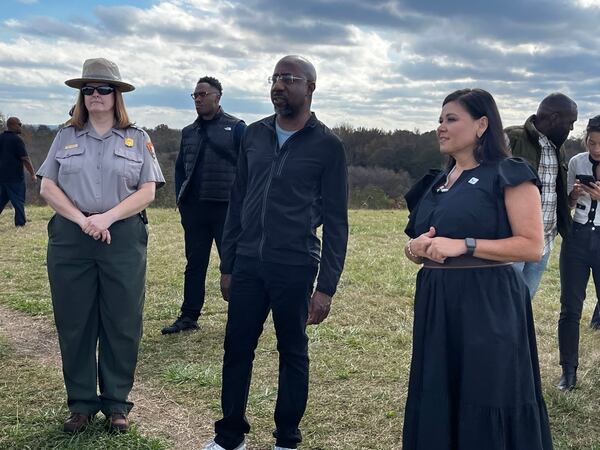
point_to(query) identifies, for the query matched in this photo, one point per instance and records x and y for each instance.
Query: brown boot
(118, 422)
(76, 422)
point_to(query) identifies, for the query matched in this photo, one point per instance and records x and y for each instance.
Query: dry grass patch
(360, 355)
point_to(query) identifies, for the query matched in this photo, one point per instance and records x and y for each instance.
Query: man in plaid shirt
(540, 141)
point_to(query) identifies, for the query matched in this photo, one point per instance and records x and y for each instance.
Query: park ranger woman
(99, 176)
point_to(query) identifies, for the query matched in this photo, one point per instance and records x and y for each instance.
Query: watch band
(471, 244)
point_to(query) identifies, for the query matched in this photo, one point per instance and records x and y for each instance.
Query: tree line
(382, 165)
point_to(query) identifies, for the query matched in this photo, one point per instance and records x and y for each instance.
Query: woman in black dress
(474, 379)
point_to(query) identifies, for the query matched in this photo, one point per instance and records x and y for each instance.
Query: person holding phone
(579, 251)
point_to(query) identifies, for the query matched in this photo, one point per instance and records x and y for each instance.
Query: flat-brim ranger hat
(100, 70)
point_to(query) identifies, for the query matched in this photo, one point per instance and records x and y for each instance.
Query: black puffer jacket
(282, 195)
(207, 157)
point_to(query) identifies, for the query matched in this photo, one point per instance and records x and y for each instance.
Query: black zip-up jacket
(282, 195)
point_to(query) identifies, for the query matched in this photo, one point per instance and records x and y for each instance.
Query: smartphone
(586, 179)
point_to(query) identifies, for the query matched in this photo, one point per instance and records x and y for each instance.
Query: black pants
(202, 223)
(15, 193)
(579, 253)
(256, 288)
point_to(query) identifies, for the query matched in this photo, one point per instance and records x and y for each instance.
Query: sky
(381, 63)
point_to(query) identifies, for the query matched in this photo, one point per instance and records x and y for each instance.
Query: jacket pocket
(129, 163)
(70, 160)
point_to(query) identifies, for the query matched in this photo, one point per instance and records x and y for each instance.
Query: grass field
(359, 356)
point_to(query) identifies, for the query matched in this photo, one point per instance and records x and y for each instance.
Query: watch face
(471, 244)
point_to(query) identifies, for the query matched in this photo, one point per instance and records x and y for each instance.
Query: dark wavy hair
(492, 145)
(593, 125)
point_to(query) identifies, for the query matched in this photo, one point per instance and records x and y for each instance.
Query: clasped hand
(437, 248)
(97, 226)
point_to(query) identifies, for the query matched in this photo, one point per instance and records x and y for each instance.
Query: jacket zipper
(264, 206)
(267, 187)
(285, 154)
(282, 163)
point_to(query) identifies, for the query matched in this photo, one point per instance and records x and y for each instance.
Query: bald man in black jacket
(13, 158)
(291, 179)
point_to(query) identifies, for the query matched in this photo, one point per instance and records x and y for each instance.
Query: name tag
(70, 146)
(473, 180)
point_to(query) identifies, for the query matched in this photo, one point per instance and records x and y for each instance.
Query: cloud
(48, 27)
(381, 63)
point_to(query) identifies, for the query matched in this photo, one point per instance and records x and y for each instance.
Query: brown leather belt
(464, 262)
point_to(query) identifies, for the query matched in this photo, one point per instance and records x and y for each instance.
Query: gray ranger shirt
(99, 172)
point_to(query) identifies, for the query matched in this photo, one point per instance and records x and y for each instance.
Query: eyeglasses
(102, 90)
(287, 78)
(202, 94)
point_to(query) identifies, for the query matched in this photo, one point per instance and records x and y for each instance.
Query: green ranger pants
(98, 299)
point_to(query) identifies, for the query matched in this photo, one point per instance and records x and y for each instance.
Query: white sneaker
(283, 448)
(212, 445)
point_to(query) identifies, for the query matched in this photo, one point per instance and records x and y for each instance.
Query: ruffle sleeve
(414, 195)
(514, 171)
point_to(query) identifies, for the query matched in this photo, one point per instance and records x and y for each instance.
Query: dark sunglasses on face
(102, 90)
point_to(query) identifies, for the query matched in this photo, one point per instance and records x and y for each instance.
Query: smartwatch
(471, 244)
